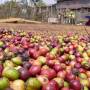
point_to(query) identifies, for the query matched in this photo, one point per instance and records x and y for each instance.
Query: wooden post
(76, 16)
(62, 16)
(47, 13)
(51, 11)
(11, 9)
(27, 9)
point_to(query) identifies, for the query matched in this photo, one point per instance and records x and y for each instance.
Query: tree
(40, 4)
(9, 9)
(22, 9)
(36, 7)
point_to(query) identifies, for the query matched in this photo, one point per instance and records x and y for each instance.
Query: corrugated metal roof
(74, 4)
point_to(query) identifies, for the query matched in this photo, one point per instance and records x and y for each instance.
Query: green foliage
(40, 3)
(15, 9)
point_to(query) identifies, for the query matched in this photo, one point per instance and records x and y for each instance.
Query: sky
(48, 2)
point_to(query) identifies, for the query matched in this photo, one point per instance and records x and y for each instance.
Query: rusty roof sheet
(74, 4)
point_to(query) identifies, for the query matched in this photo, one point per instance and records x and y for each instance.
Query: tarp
(87, 17)
(88, 22)
(18, 20)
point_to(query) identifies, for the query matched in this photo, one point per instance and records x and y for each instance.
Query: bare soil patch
(46, 28)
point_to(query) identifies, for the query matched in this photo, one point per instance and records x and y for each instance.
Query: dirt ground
(46, 28)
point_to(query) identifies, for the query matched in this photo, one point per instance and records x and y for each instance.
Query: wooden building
(69, 11)
(81, 9)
